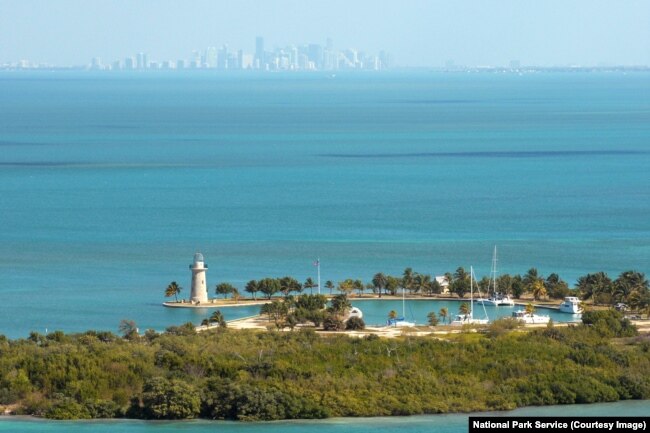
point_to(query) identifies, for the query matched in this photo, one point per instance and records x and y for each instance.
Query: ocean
(110, 182)
(449, 423)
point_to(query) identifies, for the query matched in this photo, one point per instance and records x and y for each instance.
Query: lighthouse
(199, 292)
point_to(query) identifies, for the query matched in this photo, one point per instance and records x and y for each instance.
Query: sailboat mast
(494, 270)
(318, 261)
(471, 293)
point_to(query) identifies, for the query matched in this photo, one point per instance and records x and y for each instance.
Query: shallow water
(110, 182)
(454, 423)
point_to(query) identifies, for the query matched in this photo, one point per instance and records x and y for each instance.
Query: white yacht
(468, 319)
(529, 318)
(571, 305)
(496, 299)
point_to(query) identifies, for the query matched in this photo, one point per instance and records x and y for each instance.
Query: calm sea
(454, 423)
(110, 182)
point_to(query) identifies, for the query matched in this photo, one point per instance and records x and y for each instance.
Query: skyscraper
(259, 51)
(141, 60)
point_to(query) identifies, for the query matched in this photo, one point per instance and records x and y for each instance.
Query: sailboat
(496, 299)
(468, 319)
(401, 321)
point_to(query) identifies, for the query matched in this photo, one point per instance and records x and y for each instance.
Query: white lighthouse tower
(199, 292)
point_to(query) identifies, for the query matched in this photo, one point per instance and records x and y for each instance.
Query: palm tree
(629, 282)
(422, 283)
(530, 309)
(329, 285)
(217, 317)
(379, 282)
(309, 284)
(597, 286)
(407, 279)
(444, 314)
(346, 286)
(359, 286)
(289, 284)
(538, 289)
(433, 318)
(340, 304)
(461, 282)
(392, 314)
(464, 309)
(173, 289)
(129, 329)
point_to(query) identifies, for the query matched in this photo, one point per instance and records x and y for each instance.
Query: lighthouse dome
(198, 257)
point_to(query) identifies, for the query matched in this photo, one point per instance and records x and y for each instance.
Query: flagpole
(318, 261)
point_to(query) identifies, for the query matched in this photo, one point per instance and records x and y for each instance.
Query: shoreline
(242, 302)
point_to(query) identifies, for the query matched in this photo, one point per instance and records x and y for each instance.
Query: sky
(417, 33)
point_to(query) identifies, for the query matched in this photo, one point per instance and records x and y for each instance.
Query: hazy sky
(416, 32)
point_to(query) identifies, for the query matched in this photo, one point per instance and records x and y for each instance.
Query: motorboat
(530, 318)
(571, 305)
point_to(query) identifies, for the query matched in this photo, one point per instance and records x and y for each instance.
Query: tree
(355, 324)
(504, 283)
(309, 284)
(252, 287)
(433, 318)
(529, 279)
(276, 311)
(175, 399)
(556, 287)
(359, 286)
(340, 304)
(444, 314)
(407, 279)
(434, 287)
(629, 282)
(484, 284)
(333, 323)
(217, 317)
(224, 289)
(346, 287)
(517, 286)
(379, 282)
(392, 314)
(329, 285)
(269, 287)
(538, 290)
(128, 329)
(461, 282)
(421, 283)
(173, 289)
(530, 309)
(289, 284)
(392, 284)
(598, 287)
(464, 309)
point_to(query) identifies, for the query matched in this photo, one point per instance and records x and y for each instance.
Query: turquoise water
(455, 423)
(110, 183)
(376, 312)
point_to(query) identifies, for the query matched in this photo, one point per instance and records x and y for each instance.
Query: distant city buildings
(307, 57)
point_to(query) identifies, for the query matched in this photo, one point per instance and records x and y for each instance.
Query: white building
(444, 283)
(199, 292)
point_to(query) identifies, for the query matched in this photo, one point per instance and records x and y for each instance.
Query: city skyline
(418, 33)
